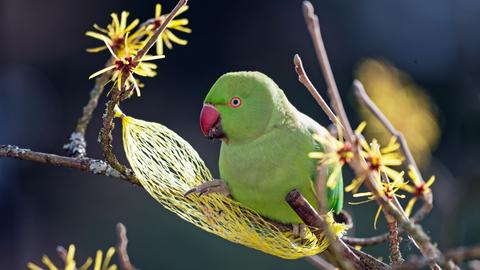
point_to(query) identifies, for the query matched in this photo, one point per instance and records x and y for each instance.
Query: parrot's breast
(260, 173)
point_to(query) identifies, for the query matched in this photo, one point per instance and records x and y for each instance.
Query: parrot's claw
(215, 186)
(299, 230)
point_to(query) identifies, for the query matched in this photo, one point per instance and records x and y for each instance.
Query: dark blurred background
(43, 86)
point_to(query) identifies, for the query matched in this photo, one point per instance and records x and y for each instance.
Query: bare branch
(303, 78)
(314, 28)
(123, 258)
(320, 263)
(367, 241)
(369, 261)
(85, 164)
(363, 98)
(358, 164)
(117, 93)
(395, 254)
(457, 255)
(347, 259)
(154, 37)
(105, 136)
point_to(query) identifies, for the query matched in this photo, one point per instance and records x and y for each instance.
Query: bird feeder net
(168, 166)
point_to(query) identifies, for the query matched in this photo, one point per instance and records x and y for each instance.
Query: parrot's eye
(235, 102)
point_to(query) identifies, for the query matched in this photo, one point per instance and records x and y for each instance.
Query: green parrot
(265, 146)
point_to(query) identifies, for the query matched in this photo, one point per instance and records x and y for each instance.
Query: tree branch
(117, 93)
(358, 164)
(85, 164)
(319, 262)
(123, 258)
(457, 255)
(77, 145)
(313, 25)
(154, 37)
(312, 219)
(303, 78)
(364, 99)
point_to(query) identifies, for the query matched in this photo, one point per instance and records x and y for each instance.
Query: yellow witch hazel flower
(379, 159)
(117, 34)
(129, 65)
(342, 154)
(168, 37)
(417, 189)
(70, 264)
(389, 188)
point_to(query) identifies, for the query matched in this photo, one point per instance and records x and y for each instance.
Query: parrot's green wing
(335, 195)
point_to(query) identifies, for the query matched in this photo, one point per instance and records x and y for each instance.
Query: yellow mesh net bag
(168, 166)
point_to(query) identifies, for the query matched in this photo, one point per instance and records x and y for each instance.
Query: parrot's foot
(215, 186)
(299, 230)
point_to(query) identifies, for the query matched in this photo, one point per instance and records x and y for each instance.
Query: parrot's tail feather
(168, 166)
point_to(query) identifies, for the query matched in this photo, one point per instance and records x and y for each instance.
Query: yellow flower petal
(132, 25)
(333, 179)
(33, 266)
(316, 155)
(86, 265)
(108, 258)
(158, 10)
(409, 208)
(171, 36)
(182, 10)
(137, 89)
(360, 202)
(96, 49)
(376, 217)
(361, 127)
(115, 22)
(430, 181)
(179, 22)
(101, 71)
(96, 35)
(362, 194)
(183, 29)
(152, 57)
(48, 263)
(166, 40)
(98, 260)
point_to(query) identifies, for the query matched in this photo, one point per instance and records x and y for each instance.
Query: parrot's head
(239, 106)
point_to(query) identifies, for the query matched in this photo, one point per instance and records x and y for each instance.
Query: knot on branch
(77, 147)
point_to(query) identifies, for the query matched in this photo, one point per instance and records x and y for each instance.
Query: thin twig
(313, 25)
(366, 241)
(369, 261)
(303, 78)
(77, 145)
(457, 255)
(320, 263)
(123, 258)
(105, 135)
(312, 219)
(395, 254)
(363, 97)
(85, 164)
(154, 37)
(358, 164)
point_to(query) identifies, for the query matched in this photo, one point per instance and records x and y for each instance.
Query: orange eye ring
(235, 102)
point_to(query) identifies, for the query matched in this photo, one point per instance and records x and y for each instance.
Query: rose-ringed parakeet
(265, 146)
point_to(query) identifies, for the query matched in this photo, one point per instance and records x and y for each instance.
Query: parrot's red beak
(210, 122)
